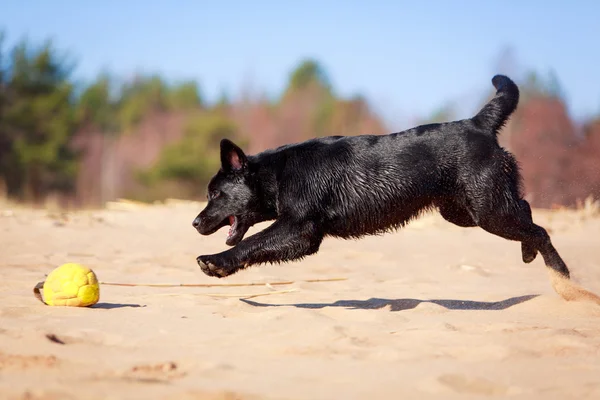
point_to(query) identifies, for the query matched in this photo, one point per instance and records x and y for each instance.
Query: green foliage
(185, 96)
(195, 158)
(100, 108)
(37, 122)
(140, 97)
(309, 90)
(40, 113)
(95, 106)
(308, 75)
(5, 142)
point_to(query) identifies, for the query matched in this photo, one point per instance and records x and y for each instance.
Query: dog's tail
(496, 112)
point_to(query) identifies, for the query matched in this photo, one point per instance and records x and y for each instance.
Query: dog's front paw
(214, 266)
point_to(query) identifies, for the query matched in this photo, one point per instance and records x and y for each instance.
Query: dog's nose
(196, 222)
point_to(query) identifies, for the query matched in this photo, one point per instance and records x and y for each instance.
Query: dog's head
(230, 197)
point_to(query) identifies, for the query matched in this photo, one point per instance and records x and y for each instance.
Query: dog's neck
(265, 179)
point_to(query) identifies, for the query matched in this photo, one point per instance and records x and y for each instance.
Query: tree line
(147, 138)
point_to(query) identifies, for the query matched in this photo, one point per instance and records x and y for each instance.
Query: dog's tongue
(232, 227)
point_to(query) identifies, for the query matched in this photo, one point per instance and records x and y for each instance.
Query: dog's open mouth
(233, 222)
(236, 231)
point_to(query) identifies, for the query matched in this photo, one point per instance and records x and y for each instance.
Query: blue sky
(407, 57)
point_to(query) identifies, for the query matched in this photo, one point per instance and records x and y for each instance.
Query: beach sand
(431, 311)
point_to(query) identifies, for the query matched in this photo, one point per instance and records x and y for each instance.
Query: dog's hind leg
(528, 251)
(460, 216)
(519, 226)
(284, 240)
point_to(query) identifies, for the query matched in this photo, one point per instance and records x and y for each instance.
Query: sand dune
(432, 311)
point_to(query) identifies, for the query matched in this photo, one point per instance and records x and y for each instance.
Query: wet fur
(349, 187)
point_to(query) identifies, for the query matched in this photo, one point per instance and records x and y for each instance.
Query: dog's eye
(214, 194)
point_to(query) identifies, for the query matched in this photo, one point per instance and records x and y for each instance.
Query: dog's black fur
(348, 187)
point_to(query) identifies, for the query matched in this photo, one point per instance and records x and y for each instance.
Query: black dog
(348, 187)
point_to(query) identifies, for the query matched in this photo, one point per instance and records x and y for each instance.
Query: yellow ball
(71, 285)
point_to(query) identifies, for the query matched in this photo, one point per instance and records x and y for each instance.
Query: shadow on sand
(110, 306)
(405, 304)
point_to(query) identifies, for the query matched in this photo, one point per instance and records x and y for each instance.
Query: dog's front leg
(284, 240)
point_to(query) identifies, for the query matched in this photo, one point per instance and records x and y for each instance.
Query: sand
(432, 311)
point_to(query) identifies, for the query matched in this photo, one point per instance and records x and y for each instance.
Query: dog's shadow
(405, 304)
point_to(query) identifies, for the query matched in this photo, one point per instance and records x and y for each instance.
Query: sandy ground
(433, 311)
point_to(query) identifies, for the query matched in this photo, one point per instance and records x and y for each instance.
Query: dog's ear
(232, 157)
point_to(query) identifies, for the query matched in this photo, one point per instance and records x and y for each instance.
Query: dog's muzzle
(199, 224)
(207, 225)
